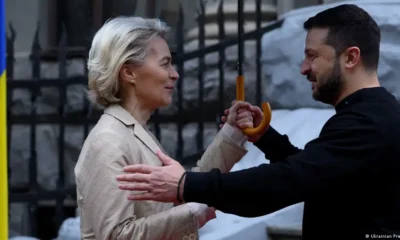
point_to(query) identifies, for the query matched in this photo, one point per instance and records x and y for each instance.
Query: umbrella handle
(264, 106)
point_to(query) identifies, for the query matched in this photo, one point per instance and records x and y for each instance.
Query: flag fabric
(3, 127)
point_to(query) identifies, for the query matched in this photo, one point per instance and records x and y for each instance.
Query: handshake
(240, 115)
(243, 115)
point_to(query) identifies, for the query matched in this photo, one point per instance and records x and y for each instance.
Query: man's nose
(305, 68)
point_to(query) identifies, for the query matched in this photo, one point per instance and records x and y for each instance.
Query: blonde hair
(119, 40)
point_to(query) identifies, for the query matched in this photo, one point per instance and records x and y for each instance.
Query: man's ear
(127, 74)
(352, 57)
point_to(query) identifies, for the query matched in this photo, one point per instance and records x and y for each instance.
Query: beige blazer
(118, 140)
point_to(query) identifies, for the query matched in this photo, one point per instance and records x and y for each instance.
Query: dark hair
(349, 25)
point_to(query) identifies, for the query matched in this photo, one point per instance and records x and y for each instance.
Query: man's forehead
(315, 37)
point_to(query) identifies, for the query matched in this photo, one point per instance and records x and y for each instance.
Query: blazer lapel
(133, 125)
(145, 137)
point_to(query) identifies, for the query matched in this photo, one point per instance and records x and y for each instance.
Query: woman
(130, 75)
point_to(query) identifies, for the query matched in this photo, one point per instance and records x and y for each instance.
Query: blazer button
(185, 238)
(192, 237)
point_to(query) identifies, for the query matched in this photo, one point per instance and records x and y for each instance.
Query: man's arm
(349, 147)
(275, 146)
(107, 209)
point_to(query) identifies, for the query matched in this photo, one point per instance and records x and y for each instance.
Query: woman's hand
(243, 115)
(202, 213)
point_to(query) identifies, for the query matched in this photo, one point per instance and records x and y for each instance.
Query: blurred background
(49, 116)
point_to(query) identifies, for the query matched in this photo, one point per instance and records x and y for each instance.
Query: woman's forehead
(158, 48)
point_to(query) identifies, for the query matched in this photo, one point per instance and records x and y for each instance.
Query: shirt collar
(358, 96)
(121, 114)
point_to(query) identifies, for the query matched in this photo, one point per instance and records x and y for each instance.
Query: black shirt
(348, 177)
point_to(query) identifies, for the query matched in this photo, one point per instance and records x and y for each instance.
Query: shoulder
(109, 132)
(110, 124)
(105, 143)
(352, 128)
(103, 137)
(377, 121)
(102, 148)
(106, 140)
(343, 119)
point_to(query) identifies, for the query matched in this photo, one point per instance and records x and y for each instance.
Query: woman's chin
(166, 102)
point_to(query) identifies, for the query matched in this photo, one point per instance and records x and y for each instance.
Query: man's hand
(244, 115)
(158, 183)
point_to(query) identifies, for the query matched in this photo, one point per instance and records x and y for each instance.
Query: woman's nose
(174, 74)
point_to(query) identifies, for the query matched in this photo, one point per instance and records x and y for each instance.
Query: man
(348, 177)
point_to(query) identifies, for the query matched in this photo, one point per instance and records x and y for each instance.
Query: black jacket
(349, 177)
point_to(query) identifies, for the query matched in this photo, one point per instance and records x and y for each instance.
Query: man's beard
(330, 86)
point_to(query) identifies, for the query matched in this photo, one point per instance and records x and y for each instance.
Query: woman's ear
(127, 74)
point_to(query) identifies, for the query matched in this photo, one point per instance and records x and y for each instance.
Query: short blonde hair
(119, 40)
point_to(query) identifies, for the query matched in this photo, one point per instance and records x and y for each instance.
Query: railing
(32, 192)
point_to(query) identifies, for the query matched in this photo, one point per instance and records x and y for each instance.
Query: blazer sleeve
(348, 154)
(223, 153)
(275, 146)
(107, 207)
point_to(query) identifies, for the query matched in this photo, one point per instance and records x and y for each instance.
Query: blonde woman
(130, 75)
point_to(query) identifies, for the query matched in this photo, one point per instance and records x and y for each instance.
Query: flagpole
(3, 128)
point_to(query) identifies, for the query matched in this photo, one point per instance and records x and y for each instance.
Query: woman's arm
(224, 152)
(107, 209)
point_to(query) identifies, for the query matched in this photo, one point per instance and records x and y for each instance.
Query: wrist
(235, 134)
(181, 188)
(259, 138)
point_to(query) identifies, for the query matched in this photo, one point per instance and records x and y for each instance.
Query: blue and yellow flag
(3, 127)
